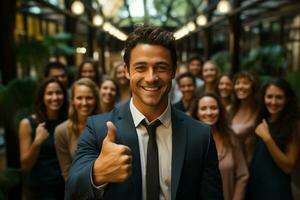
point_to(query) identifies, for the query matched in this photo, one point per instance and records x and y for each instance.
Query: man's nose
(151, 75)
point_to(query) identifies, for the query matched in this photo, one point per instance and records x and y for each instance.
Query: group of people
(48, 137)
(256, 130)
(221, 138)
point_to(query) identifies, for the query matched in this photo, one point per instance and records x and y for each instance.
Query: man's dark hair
(54, 65)
(186, 75)
(152, 35)
(195, 57)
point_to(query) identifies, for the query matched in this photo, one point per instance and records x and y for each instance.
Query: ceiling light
(191, 26)
(77, 7)
(35, 10)
(223, 7)
(97, 20)
(201, 20)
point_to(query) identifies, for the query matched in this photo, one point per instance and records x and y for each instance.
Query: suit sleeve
(211, 183)
(79, 185)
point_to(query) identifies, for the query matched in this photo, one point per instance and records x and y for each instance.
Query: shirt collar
(164, 118)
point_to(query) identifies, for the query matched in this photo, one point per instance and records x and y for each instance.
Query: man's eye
(162, 68)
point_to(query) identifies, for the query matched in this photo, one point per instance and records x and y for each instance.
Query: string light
(77, 7)
(223, 7)
(97, 20)
(201, 20)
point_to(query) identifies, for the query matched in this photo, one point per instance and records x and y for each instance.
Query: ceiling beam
(63, 12)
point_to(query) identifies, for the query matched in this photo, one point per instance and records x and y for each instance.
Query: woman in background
(225, 90)
(210, 74)
(277, 145)
(109, 93)
(88, 69)
(84, 102)
(232, 163)
(119, 74)
(36, 135)
(244, 110)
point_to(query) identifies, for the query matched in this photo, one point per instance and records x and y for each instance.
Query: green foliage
(222, 58)
(31, 53)
(57, 44)
(294, 80)
(16, 101)
(266, 60)
(35, 52)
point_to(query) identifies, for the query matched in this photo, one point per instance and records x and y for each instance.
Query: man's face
(195, 68)
(150, 72)
(187, 88)
(60, 74)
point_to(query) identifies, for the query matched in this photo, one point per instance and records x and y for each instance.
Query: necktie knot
(151, 128)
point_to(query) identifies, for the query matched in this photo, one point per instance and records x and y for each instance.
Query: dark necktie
(152, 168)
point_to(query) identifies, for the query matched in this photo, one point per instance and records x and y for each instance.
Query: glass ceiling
(172, 14)
(169, 13)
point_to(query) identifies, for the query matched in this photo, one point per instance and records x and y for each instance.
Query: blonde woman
(84, 102)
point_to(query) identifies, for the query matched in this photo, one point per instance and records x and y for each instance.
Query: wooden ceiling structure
(169, 14)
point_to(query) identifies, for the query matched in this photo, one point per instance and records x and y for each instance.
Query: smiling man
(146, 149)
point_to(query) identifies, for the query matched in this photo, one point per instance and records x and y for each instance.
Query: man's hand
(114, 162)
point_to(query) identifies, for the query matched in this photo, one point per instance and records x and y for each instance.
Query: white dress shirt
(164, 145)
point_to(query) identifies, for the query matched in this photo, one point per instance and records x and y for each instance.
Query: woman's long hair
(73, 127)
(254, 95)
(97, 77)
(222, 124)
(39, 108)
(284, 129)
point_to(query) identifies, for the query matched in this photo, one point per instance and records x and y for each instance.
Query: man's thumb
(111, 131)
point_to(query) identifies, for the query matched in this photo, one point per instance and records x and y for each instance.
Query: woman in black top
(36, 133)
(277, 145)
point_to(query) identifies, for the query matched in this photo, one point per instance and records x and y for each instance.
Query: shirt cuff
(100, 188)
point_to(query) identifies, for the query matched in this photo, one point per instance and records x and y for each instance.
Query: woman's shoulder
(28, 121)
(62, 128)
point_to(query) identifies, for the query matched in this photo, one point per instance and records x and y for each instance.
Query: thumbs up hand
(114, 162)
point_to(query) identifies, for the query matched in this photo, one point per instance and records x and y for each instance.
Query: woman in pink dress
(232, 163)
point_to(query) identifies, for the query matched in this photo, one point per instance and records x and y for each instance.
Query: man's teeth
(151, 88)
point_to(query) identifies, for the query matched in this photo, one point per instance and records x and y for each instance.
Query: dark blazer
(179, 105)
(195, 173)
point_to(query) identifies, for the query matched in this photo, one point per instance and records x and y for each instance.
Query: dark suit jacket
(180, 106)
(194, 175)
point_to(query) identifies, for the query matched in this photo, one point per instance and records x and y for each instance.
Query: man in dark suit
(119, 157)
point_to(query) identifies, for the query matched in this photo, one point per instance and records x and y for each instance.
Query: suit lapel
(128, 137)
(178, 150)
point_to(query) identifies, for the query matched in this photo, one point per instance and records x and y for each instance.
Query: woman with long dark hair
(88, 69)
(277, 145)
(225, 90)
(232, 164)
(36, 133)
